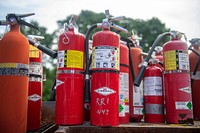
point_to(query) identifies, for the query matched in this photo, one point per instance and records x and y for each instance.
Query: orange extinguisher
(35, 86)
(136, 92)
(194, 58)
(178, 97)
(70, 76)
(105, 73)
(14, 75)
(153, 94)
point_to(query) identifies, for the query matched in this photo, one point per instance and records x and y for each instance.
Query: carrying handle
(13, 19)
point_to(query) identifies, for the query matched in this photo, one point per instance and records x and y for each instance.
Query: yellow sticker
(74, 59)
(8, 65)
(170, 60)
(34, 52)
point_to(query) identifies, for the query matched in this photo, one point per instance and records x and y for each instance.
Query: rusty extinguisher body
(136, 93)
(153, 95)
(178, 98)
(124, 85)
(105, 79)
(35, 89)
(70, 78)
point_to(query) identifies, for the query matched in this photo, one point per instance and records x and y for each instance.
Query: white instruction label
(153, 86)
(105, 57)
(61, 59)
(183, 105)
(183, 59)
(138, 95)
(123, 87)
(138, 110)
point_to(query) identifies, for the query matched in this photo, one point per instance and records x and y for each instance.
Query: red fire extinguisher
(124, 84)
(105, 74)
(70, 76)
(195, 75)
(14, 72)
(178, 97)
(153, 94)
(35, 86)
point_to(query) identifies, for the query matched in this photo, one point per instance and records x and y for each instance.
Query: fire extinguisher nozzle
(44, 49)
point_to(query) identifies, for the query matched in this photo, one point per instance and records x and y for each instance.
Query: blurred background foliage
(147, 29)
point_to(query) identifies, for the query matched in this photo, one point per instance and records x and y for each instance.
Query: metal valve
(108, 22)
(177, 35)
(13, 19)
(72, 24)
(195, 41)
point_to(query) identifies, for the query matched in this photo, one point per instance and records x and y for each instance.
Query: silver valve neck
(35, 37)
(176, 35)
(72, 26)
(108, 22)
(195, 41)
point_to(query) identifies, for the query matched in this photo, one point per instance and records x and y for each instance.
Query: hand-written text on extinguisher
(102, 102)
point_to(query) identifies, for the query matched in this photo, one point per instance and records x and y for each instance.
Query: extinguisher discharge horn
(33, 41)
(13, 19)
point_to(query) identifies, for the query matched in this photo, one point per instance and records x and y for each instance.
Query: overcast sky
(181, 15)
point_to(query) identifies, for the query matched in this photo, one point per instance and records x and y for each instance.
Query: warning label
(105, 57)
(183, 105)
(176, 60)
(35, 68)
(170, 60)
(153, 86)
(34, 52)
(123, 87)
(70, 58)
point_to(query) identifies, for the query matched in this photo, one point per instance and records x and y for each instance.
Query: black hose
(44, 49)
(87, 71)
(146, 60)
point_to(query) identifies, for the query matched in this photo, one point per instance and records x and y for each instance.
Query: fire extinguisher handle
(138, 79)
(44, 49)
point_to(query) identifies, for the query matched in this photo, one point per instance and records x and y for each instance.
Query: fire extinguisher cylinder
(14, 85)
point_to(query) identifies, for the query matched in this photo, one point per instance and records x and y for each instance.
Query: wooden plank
(134, 128)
